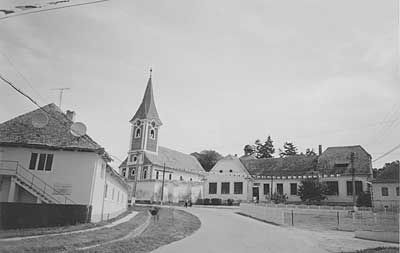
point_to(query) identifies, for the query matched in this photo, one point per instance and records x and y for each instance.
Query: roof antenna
(151, 71)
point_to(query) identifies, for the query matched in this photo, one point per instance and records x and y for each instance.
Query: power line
(53, 8)
(387, 153)
(23, 77)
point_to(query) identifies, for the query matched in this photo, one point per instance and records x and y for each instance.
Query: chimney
(319, 149)
(70, 115)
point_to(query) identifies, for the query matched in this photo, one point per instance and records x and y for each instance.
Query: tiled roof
(172, 159)
(334, 159)
(56, 134)
(147, 109)
(287, 166)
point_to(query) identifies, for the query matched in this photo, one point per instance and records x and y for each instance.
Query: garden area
(168, 226)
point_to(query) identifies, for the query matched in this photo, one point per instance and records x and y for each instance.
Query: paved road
(223, 230)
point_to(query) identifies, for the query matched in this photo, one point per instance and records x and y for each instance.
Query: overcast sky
(225, 73)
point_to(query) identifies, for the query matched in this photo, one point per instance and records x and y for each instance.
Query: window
(137, 133)
(230, 170)
(133, 158)
(49, 162)
(112, 195)
(359, 187)
(238, 187)
(212, 188)
(157, 174)
(105, 190)
(333, 188)
(190, 179)
(225, 188)
(220, 171)
(170, 176)
(124, 172)
(385, 191)
(397, 191)
(181, 178)
(32, 163)
(45, 162)
(266, 189)
(341, 165)
(118, 196)
(144, 173)
(293, 189)
(279, 188)
(152, 134)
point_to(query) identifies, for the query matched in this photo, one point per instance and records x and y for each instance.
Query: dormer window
(124, 172)
(134, 158)
(137, 133)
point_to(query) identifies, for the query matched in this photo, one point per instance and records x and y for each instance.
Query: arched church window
(152, 134)
(157, 173)
(124, 172)
(137, 133)
(170, 177)
(181, 178)
(144, 173)
(133, 170)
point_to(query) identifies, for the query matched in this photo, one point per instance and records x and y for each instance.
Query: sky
(225, 73)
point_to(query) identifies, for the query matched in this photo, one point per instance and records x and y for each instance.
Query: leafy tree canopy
(207, 158)
(312, 191)
(310, 152)
(266, 149)
(288, 149)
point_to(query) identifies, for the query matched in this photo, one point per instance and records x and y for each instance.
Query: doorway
(256, 194)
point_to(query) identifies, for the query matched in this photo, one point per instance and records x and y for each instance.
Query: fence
(323, 217)
(27, 215)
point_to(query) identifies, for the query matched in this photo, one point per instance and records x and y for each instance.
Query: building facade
(261, 178)
(48, 164)
(158, 173)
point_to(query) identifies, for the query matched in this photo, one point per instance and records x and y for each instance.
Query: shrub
(278, 198)
(230, 202)
(206, 201)
(312, 191)
(200, 201)
(364, 199)
(215, 201)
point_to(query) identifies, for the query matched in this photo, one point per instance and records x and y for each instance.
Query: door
(256, 194)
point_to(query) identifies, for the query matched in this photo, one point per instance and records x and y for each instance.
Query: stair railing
(33, 181)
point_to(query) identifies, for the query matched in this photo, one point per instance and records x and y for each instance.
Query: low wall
(273, 215)
(28, 215)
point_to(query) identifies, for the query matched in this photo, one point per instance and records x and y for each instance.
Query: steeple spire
(147, 109)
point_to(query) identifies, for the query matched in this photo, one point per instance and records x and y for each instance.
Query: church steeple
(147, 109)
(145, 124)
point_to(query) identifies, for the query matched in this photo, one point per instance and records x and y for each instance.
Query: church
(156, 173)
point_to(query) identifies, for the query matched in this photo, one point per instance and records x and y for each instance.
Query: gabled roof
(117, 176)
(55, 134)
(287, 166)
(147, 109)
(173, 159)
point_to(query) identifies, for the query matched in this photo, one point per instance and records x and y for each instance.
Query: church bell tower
(145, 127)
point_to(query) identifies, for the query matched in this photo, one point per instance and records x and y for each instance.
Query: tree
(389, 170)
(265, 150)
(364, 199)
(312, 191)
(288, 149)
(310, 152)
(207, 158)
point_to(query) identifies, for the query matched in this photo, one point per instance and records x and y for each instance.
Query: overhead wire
(387, 153)
(53, 8)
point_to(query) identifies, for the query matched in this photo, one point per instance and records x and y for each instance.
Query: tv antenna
(61, 90)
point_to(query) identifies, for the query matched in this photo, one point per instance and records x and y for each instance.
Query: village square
(132, 132)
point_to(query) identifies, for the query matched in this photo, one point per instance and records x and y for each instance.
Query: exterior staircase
(32, 183)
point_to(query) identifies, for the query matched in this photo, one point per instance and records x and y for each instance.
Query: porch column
(11, 193)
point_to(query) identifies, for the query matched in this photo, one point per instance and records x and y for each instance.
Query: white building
(247, 178)
(45, 163)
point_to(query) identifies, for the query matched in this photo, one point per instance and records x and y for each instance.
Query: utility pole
(61, 90)
(162, 186)
(353, 182)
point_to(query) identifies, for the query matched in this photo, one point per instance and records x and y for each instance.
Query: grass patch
(8, 233)
(73, 241)
(172, 225)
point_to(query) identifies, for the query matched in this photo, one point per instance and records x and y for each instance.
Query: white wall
(380, 201)
(72, 169)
